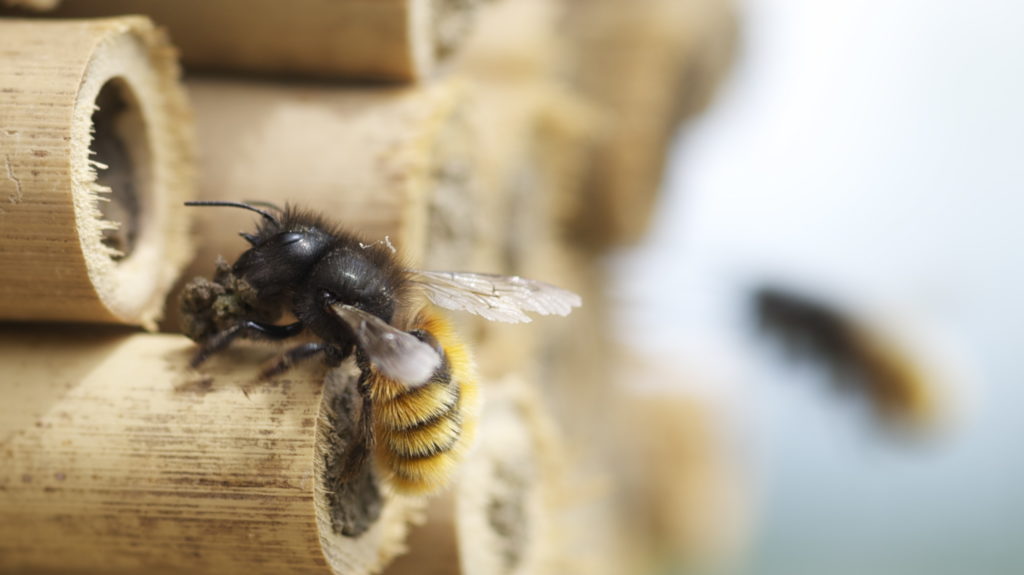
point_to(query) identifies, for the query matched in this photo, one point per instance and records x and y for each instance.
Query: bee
(860, 356)
(417, 381)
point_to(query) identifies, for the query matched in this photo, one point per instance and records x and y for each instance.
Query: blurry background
(866, 152)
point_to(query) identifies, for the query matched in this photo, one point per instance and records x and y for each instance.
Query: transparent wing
(495, 297)
(395, 353)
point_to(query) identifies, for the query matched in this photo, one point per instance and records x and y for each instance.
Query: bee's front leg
(247, 330)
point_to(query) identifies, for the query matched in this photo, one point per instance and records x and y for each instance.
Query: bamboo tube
(116, 458)
(380, 40)
(37, 5)
(85, 238)
(648, 65)
(372, 159)
(684, 503)
(387, 163)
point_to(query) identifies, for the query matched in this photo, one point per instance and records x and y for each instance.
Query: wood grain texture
(54, 196)
(118, 459)
(377, 40)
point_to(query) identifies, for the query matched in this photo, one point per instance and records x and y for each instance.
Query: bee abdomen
(420, 434)
(415, 407)
(434, 436)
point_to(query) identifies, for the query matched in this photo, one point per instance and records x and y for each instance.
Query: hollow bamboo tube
(389, 40)
(116, 458)
(95, 146)
(648, 65)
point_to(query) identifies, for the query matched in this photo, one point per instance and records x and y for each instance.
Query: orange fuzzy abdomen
(422, 433)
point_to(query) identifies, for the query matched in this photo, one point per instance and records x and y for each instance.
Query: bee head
(283, 249)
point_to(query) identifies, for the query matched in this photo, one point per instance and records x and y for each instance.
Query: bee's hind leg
(288, 359)
(247, 330)
(333, 356)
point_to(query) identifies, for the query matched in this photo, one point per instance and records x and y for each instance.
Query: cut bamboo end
(683, 501)
(362, 526)
(510, 495)
(380, 40)
(116, 457)
(96, 151)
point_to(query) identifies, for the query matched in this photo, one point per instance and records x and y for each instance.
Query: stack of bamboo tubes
(470, 134)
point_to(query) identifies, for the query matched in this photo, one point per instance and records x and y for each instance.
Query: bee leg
(247, 330)
(288, 359)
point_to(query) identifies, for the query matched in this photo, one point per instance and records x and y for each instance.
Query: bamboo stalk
(117, 458)
(96, 152)
(380, 40)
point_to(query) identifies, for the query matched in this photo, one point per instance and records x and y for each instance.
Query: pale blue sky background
(878, 147)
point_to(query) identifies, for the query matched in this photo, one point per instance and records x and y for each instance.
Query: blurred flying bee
(860, 355)
(417, 384)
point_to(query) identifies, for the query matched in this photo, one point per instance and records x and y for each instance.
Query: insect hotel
(513, 138)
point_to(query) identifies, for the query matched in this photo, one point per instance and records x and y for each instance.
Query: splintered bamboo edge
(85, 240)
(362, 527)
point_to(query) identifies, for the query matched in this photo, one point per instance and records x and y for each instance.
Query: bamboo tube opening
(361, 526)
(353, 494)
(96, 154)
(120, 226)
(121, 155)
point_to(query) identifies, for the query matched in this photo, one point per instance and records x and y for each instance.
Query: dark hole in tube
(110, 147)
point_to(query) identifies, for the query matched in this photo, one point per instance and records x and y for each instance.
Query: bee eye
(328, 297)
(290, 238)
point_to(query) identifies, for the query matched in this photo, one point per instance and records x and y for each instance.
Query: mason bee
(417, 383)
(861, 357)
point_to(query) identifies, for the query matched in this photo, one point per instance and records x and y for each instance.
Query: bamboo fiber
(118, 459)
(390, 40)
(96, 152)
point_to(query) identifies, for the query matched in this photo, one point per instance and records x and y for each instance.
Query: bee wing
(495, 297)
(395, 353)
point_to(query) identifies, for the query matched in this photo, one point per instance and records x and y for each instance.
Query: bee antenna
(264, 204)
(266, 215)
